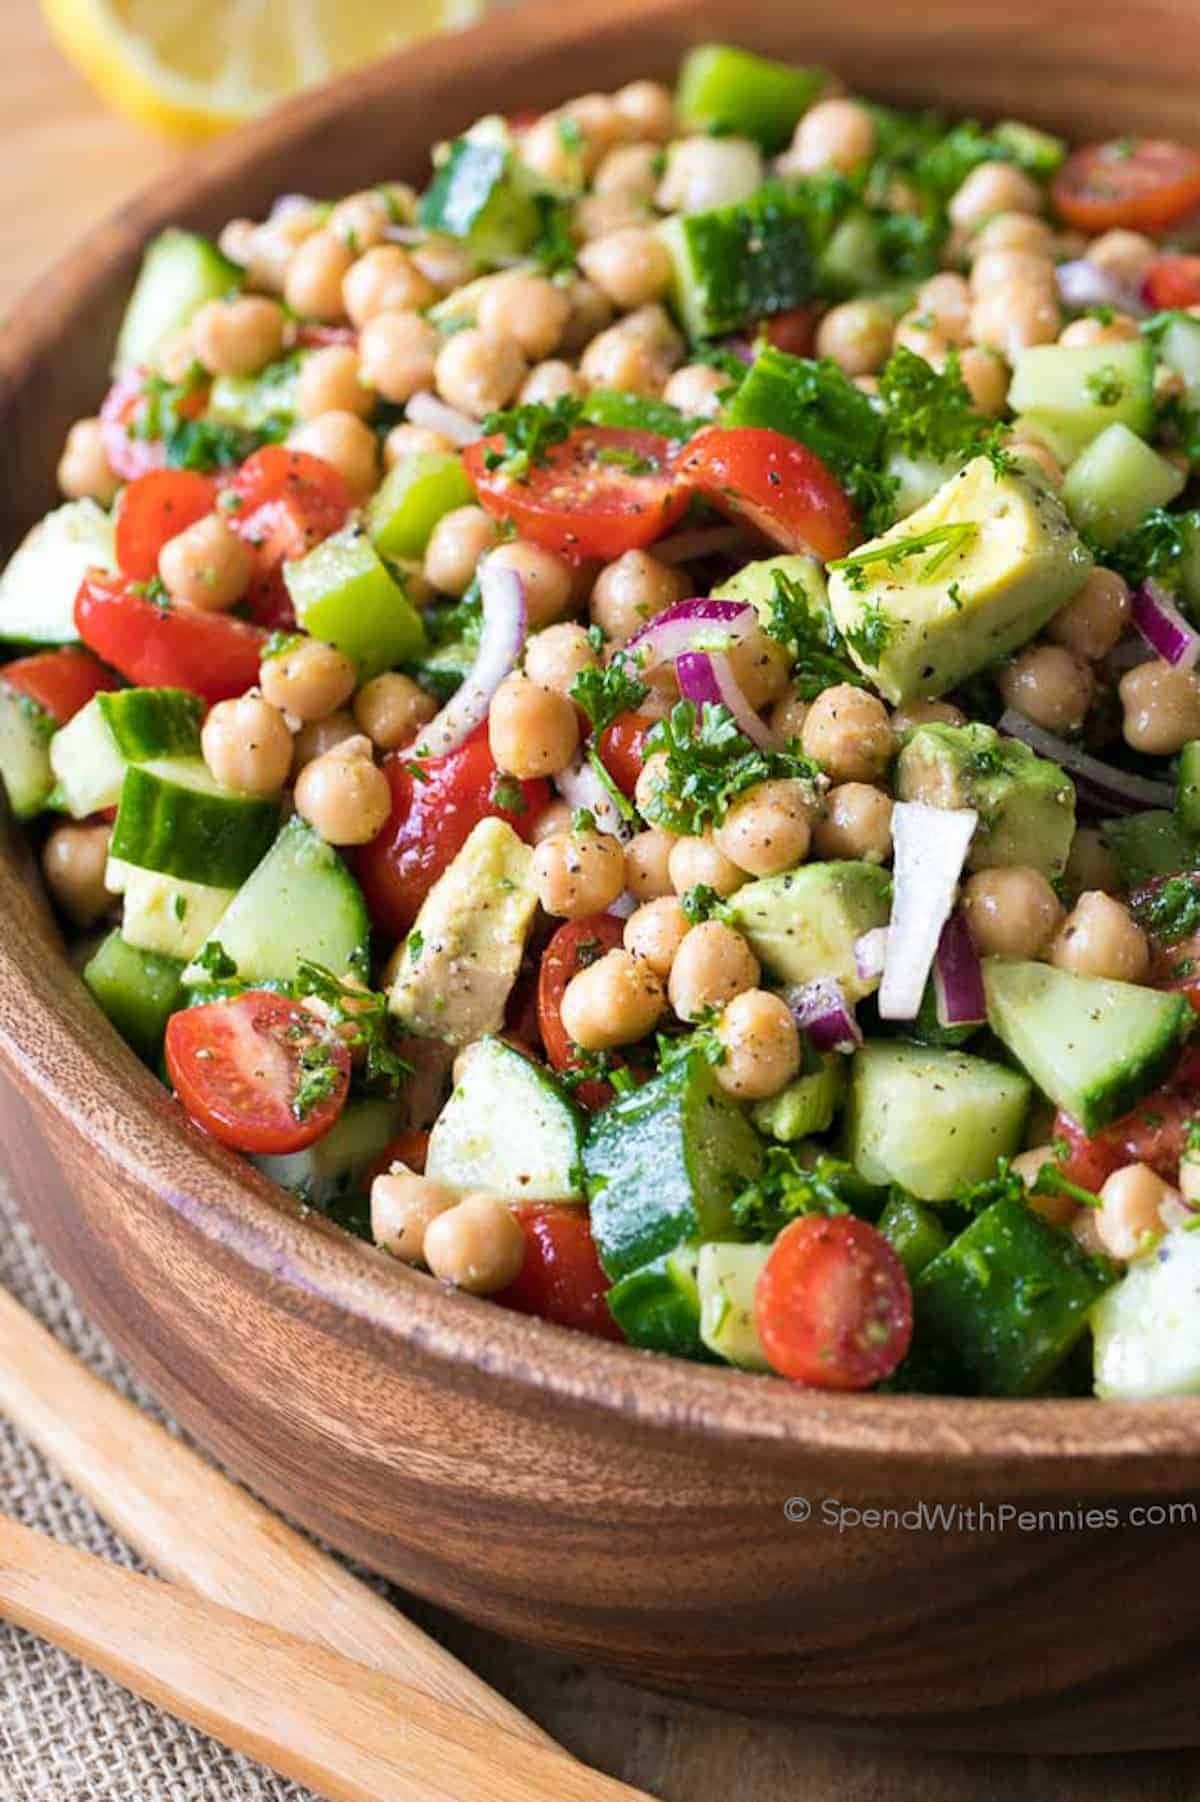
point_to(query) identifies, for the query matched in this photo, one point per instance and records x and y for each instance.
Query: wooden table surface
(66, 164)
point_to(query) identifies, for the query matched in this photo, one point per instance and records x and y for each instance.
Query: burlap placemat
(67, 1734)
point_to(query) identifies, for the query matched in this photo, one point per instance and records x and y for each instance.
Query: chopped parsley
(629, 460)
(570, 134)
(788, 1189)
(810, 638)
(930, 413)
(1051, 1181)
(508, 794)
(944, 542)
(596, 1066)
(1004, 1185)
(530, 432)
(1159, 546)
(699, 903)
(554, 249)
(192, 441)
(583, 820)
(215, 961)
(624, 807)
(360, 1018)
(317, 1077)
(709, 763)
(872, 635)
(1105, 385)
(280, 643)
(605, 693)
(415, 945)
(1170, 911)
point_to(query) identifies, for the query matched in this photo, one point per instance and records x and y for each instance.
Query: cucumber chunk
(1006, 1302)
(1179, 349)
(1115, 482)
(739, 262)
(26, 732)
(808, 1104)
(39, 585)
(638, 413)
(932, 1120)
(264, 403)
(805, 923)
(726, 1277)
(731, 90)
(508, 1129)
(344, 594)
(913, 1231)
(180, 272)
(414, 496)
(1147, 1327)
(163, 914)
(658, 1306)
(138, 990)
(1080, 390)
(664, 1164)
(336, 1165)
(300, 902)
(174, 818)
(1094, 1047)
(480, 194)
(809, 402)
(90, 755)
(1187, 795)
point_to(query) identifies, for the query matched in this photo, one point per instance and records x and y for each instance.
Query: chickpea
(655, 932)
(946, 298)
(985, 376)
(1090, 865)
(598, 216)
(403, 1205)
(479, 374)
(1094, 619)
(385, 280)
(926, 713)
(857, 336)
(526, 310)
(1038, 458)
(74, 859)
(849, 733)
(601, 122)
(330, 382)
(360, 220)
(919, 333)
(247, 745)
(767, 830)
(616, 359)
(647, 864)
(398, 354)
(1057, 1210)
(1130, 1211)
(556, 655)
(532, 731)
(712, 966)
(405, 441)
(632, 590)
(1049, 686)
(206, 566)
(456, 544)
(237, 337)
(1014, 231)
(477, 1245)
(551, 381)
(695, 390)
(391, 709)
(1161, 707)
(993, 188)
(762, 1046)
(316, 737)
(632, 267)
(700, 860)
(546, 578)
(787, 716)
(1101, 938)
(591, 312)
(760, 666)
(704, 172)
(308, 680)
(556, 818)
(84, 472)
(1123, 255)
(315, 275)
(347, 442)
(1011, 911)
(343, 795)
(1020, 268)
(615, 1001)
(647, 109)
(834, 134)
(444, 262)
(630, 169)
(1012, 316)
(578, 873)
(1090, 332)
(856, 824)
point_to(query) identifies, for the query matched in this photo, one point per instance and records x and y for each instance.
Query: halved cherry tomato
(61, 682)
(153, 509)
(794, 330)
(122, 419)
(600, 493)
(436, 801)
(281, 503)
(174, 647)
(561, 1278)
(780, 486)
(833, 1305)
(240, 1066)
(410, 1147)
(575, 945)
(1146, 184)
(622, 749)
(1172, 281)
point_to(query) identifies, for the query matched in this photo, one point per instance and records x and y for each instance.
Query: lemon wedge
(192, 69)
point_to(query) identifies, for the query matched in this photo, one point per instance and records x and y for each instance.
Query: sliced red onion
(685, 627)
(406, 234)
(930, 849)
(580, 786)
(1163, 626)
(1099, 784)
(707, 676)
(1083, 284)
(624, 905)
(870, 952)
(958, 976)
(740, 347)
(701, 541)
(500, 645)
(427, 410)
(820, 1009)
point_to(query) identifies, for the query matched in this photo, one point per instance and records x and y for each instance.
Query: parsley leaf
(873, 633)
(215, 961)
(930, 413)
(1158, 546)
(530, 432)
(700, 903)
(1105, 385)
(360, 1018)
(605, 693)
(1003, 1185)
(1170, 911)
(708, 764)
(787, 1189)
(944, 542)
(318, 1078)
(809, 636)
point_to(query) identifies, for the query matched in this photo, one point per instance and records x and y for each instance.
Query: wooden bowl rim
(102, 1088)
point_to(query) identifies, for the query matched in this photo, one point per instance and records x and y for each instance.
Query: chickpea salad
(627, 725)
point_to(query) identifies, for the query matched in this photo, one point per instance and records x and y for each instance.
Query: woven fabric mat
(66, 1733)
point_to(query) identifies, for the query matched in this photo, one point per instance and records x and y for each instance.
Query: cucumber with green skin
(180, 272)
(1077, 391)
(639, 413)
(480, 194)
(26, 734)
(42, 577)
(163, 914)
(344, 594)
(91, 753)
(933, 1121)
(1115, 482)
(657, 1307)
(809, 401)
(727, 1276)
(1187, 794)
(335, 1166)
(415, 494)
(138, 990)
(913, 1231)
(736, 263)
(508, 1129)
(809, 1103)
(1149, 844)
(173, 817)
(723, 88)
(1147, 1327)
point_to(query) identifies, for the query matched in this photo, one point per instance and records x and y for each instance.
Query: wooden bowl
(616, 1506)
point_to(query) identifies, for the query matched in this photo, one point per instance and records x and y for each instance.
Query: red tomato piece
(794, 330)
(561, 1278)
(601, 492)
(153, 510)
(122, 424)
(433, 812)
(1145, 184)
(307, 334)
(283, 502)
(622, 749)
(1172, 282)
(410, 1147)
(61, 682)
(575, 945)
(833, 1304)
(780, 486)
(240, 1068)
(214, 655)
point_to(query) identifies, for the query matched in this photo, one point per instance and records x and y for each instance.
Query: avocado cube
(993, 557)
(932, 1120)
(808, 1104)
(804, 924)
(1026, 805)
(413, 497)
(1007, 1300)
(343, 593)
